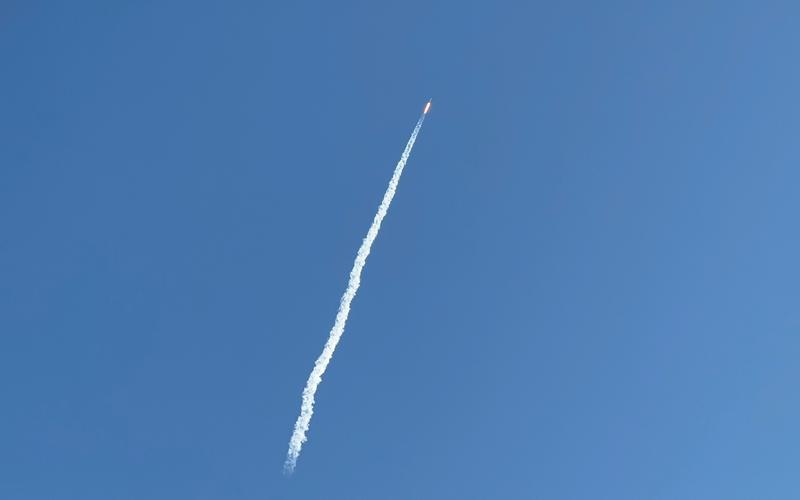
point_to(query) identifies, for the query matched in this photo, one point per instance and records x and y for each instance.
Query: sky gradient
(587, 285)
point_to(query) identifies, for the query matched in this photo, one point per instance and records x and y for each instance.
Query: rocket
(427, 107)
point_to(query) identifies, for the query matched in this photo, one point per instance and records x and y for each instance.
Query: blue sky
(586, 287)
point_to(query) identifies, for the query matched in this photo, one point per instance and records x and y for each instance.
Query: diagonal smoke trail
(307, 406)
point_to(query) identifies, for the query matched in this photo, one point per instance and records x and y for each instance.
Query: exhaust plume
(314, 379)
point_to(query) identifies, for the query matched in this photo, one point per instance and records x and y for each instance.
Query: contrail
(307, 406)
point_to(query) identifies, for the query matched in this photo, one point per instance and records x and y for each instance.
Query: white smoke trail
(307, 406)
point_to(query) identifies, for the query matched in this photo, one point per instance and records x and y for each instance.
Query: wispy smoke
(307, 406)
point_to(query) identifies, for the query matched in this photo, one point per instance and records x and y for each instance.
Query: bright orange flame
(427, 107)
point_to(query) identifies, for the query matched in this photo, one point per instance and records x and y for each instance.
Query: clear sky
(587, 286)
